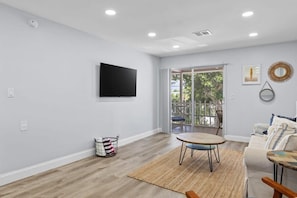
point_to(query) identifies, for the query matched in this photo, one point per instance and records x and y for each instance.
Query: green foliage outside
(208, 93)
(208, 87)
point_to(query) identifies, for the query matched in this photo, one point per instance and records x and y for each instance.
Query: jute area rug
(226, 180)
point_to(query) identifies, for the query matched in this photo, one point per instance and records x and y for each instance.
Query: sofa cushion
(257, 141)
(278, 130)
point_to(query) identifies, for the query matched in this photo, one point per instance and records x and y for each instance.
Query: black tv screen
(117, 81)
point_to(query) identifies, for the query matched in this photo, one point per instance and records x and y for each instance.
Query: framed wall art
(251, 74)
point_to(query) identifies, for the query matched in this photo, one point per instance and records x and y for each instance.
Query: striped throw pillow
(278, 130)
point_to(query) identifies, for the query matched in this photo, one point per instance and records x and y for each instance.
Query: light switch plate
(10, 92)
(24, 125)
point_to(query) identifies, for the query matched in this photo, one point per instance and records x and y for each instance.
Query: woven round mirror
(280, 71)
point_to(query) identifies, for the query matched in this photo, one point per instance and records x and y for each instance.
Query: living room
(54, 113)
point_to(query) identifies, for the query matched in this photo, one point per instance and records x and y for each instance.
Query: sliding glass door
(196, 94)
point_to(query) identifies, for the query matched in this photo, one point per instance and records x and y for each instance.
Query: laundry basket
(106, 146)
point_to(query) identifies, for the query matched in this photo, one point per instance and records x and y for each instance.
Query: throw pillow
(286, 141)
(279, 129)
(280, 116)
(277, 121)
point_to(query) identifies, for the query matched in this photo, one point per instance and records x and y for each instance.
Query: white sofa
(256, 163)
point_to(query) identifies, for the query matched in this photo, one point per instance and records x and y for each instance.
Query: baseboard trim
(12, 176)
(129, 140)
(237, 138)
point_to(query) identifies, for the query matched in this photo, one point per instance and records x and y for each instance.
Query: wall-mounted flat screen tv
(116, 81)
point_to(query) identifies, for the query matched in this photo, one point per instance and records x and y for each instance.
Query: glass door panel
(196, 95)
(208, 94)
(181, 97)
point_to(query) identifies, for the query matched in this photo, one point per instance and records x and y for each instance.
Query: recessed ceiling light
(247, 14)
(152, 34)
(110, 12)
(175, 46)
(253, 34)
(203, 33)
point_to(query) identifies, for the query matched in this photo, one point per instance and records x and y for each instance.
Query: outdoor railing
(204, 113)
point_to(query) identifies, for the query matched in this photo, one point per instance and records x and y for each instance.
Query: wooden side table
(285, 159)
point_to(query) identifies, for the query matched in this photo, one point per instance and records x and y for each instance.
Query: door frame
(223, 68)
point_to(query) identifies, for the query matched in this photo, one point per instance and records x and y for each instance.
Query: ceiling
(174, 22)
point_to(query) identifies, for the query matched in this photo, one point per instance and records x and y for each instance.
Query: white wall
(243, 106)
(53, 72)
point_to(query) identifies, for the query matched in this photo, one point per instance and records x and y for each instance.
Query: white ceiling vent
(203, 33)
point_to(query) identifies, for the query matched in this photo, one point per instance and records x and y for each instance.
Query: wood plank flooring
(103, 177)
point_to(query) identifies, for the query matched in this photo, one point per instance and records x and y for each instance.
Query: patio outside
(195, 96)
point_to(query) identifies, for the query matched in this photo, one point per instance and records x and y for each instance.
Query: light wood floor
(103, 177)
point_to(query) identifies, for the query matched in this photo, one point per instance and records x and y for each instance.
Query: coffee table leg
(209, 154)
(182, 155)
(217, 154)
